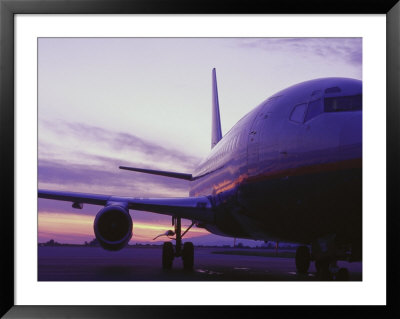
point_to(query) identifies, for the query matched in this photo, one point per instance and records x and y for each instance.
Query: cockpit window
(334, 89)
(298, 113)
(343, 103)
(314, 109)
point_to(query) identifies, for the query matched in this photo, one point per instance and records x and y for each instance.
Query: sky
(146, 102)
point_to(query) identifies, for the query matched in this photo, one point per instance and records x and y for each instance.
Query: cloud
(79, 156)
(348, 50)
(96, 178)
(98, 142)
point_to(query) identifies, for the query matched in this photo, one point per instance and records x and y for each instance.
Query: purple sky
(146, 102)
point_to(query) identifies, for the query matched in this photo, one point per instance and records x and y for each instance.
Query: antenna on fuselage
(216, 133)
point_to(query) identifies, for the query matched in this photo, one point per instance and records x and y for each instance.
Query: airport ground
(143, 263)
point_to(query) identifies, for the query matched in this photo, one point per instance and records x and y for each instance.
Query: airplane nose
(351, 132)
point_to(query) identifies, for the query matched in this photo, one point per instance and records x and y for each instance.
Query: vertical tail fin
(216, 134)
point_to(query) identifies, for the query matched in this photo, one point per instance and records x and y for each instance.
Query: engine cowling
(113, 227)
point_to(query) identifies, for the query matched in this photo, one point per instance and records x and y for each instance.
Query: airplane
(290, 170)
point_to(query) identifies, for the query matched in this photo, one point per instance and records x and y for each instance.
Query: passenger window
(314, 109)
(298, 113)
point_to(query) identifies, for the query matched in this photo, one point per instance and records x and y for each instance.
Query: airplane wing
(194, 208)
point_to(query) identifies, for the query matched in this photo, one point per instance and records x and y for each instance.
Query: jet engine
(113, 227)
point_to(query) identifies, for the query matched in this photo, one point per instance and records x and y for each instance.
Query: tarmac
(143, 263)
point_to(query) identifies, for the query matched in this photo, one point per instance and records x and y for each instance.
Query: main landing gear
(325, 255)
(303, 259)
(186, 252)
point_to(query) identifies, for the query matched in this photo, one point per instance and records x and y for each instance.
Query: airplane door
(253, 143)
(262, 137)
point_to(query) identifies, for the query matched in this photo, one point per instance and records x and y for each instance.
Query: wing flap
(194, 208)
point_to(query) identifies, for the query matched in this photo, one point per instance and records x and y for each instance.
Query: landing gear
(329, 271)
(326, 254)
(342, 275)
(322, 267)
(187, 252)
(188, 256)
(303, 259)
(167, 255)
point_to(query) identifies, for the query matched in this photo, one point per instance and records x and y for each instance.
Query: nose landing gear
(186, 252)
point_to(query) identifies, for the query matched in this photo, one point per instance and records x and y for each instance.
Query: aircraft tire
(303, 259)
(167, 255)
(342, 275)
(322, 267)
(188, 256)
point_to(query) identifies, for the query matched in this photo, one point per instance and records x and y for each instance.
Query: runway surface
(144, 264)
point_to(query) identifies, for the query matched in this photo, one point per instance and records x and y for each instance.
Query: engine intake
(113, 227)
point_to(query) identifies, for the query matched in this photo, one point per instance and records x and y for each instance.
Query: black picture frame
(8, 8)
